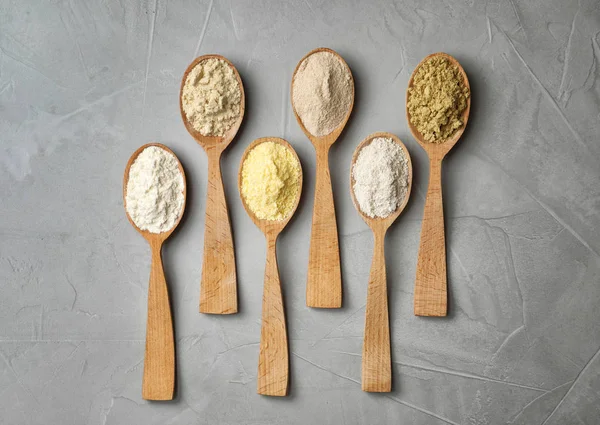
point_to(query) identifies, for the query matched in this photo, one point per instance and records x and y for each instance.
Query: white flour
(154, 197)
(380, 177)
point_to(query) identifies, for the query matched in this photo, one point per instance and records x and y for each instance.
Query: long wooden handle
(324, 283)
(159, 361)
(430, 287)
(273, 360)
(218, 289)
(377, 360)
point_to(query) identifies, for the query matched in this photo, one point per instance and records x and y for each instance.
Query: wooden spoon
(273, 358)
(159, 360)
(324, 281)
(377, 360)
(431, 297)
(218, 289)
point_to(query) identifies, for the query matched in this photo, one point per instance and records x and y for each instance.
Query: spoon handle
(218, 291)
(377, 360)
(159, 361)
(430, 286)
(324, 282)
(273, 361)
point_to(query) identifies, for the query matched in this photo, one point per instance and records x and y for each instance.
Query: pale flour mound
(154, 198)
(211, 97)
(380, 177)
(322, 92)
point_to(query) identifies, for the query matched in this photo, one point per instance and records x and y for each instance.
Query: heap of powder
(270, 181)
(322, 92)
(437, 99)
(154, 198)
(211, 97)
(380, 177)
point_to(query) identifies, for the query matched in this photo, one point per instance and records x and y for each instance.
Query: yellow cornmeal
(270, 181)
(437, 100)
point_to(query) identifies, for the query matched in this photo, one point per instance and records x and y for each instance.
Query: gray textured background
(83, 84)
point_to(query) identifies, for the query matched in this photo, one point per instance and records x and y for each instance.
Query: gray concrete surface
(83, 84)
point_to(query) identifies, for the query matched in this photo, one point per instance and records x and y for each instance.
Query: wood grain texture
(324, 280)
(218, 284)
(377, 360)
(218, 291)
(430, 295)
(376, 357)
(159, 359)
(273, 359)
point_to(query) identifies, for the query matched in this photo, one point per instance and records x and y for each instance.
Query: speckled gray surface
(83, 84)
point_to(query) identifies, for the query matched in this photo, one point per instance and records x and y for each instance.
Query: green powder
(437, 99)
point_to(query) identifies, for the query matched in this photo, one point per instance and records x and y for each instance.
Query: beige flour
(322, 92)
(211, 97)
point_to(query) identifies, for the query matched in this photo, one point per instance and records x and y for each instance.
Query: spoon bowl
(328, 139)
(208, 142)
(269, 226)
(159, 360)
(218, 286)
(380, 223)
(430, 295)
(376, 356)
(442, 148)
(273, 358)
(149, 236)
(324, 280)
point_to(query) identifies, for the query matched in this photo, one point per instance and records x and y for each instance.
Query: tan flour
(211, 97)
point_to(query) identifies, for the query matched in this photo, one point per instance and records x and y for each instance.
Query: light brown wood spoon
(376, 357)
(218, 288)
(159, 359)
(273, 358)
(324, 281)
(430, 297)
